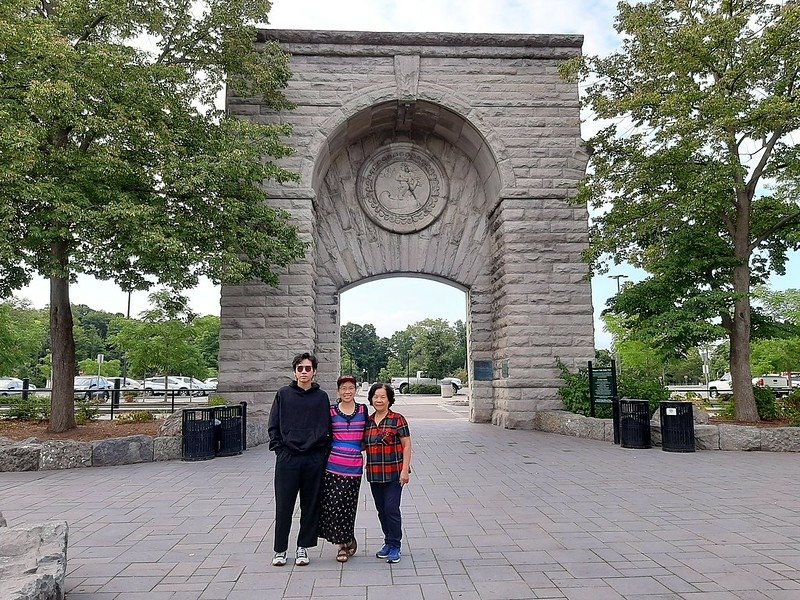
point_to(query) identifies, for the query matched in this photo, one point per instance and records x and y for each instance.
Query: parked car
(93, 386)
(126, 383)
(720, 386)
(12, 386)
(197, 387)
(401, 384)
(794, 376)
(211, 383)
(156, 386)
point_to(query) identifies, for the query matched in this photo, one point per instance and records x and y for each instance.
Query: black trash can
(634, 423)
(677, 426)
(198, 434)
(229, 430)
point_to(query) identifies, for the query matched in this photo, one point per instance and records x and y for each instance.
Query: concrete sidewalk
(489, 514)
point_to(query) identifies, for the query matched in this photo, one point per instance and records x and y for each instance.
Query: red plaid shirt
(384, 449)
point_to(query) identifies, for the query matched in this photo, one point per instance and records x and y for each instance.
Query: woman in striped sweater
(343, 471)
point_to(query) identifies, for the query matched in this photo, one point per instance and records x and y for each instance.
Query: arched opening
(394, 327)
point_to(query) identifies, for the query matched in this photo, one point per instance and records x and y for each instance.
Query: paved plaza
(490, 514)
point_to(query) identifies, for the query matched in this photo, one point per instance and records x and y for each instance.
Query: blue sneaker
(394, 555)
(383, 552)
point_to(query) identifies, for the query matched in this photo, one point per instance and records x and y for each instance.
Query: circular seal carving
(402, 188)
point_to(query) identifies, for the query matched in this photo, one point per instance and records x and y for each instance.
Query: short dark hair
(346, 379)
(304, 356)
(389, 392)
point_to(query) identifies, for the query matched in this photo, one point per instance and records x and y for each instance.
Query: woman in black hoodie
(300, 434)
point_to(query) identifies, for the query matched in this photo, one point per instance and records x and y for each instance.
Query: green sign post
(603, 390)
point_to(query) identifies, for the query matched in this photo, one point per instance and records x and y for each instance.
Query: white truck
(401, 384)
(777, 383)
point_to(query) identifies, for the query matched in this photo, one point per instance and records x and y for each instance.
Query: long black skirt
(337, 520)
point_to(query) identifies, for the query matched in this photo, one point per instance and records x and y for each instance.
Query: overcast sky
(392, 304)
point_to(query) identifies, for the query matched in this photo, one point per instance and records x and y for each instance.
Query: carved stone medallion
(402, 188)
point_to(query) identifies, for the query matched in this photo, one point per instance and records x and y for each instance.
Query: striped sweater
(348, 431)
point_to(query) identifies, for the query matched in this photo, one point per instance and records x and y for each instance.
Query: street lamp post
(618, 277)
(616, 354)
(705, 354)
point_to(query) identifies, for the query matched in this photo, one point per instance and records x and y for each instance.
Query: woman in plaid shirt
(388, 444)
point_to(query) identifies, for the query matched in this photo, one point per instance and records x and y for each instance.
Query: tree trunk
(739, 331)
(62, 403)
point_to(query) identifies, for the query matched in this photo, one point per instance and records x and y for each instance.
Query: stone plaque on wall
(402, 188)
(482, 370)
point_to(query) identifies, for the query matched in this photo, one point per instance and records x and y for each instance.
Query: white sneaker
(301, 557)
(279, 559)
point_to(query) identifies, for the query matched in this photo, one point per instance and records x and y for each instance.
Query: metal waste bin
(229, 429)
(198, 434)
(634, 423)
(677, 426)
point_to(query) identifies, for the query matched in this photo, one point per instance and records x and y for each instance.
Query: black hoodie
(299, 420)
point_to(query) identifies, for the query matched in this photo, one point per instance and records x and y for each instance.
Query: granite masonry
(445, 156)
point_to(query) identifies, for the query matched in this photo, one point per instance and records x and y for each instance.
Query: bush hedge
(424, 389)
(765, 405)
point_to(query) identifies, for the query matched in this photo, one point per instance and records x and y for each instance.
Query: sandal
(352, 547)
(342, 555)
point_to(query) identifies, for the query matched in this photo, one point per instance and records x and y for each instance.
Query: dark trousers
(387, 501)
(297, 474)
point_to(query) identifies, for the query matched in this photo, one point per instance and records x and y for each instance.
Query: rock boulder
(33, 561)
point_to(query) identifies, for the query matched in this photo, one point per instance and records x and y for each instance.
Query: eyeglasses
(304, 368)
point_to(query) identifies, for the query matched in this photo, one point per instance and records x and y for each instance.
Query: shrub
(129, 396)
(765, 405)
(141, 416)
(575, 391)
(87, 410)
(643, 388)
(424, 389)
(216, 400)
(791, 408)
(34, 408)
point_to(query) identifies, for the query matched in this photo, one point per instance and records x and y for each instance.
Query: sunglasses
(304, 368)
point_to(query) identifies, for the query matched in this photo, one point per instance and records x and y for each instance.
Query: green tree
(110, 368)
(114, 161)
(205, 335)
(401, 347)
(782, 306)
(163, 342)
(699, 108)
(435, 343)
(365, 348)
(23, 333)
(775, 356)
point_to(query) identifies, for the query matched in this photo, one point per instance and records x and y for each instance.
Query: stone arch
(455, 248)
(495, 122)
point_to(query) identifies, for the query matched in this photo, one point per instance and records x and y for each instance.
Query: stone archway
(448, 156)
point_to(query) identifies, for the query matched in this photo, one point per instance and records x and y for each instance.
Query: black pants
(293, 474)
(387, 501)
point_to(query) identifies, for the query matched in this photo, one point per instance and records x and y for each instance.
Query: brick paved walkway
(490, 514)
